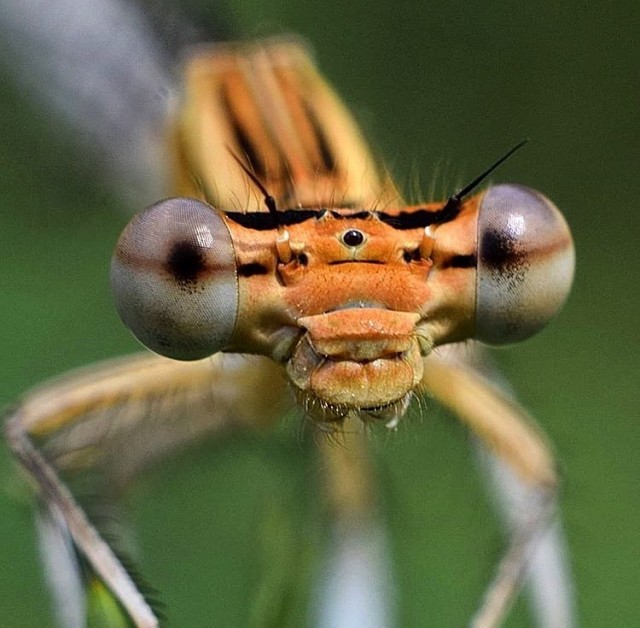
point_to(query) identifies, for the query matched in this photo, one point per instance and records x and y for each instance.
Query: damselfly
(287, 245)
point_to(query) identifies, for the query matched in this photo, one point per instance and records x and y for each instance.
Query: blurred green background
(441, 88)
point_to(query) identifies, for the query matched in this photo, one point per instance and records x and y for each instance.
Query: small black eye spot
(303, 260)
(353, 237)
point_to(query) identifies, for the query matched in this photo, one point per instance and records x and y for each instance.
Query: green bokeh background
(440, 88)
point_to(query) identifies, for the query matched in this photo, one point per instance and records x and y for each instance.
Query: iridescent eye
(525, 264)
(173, 278)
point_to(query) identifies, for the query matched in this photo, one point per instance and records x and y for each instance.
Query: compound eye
(526, 262)
(173, 278)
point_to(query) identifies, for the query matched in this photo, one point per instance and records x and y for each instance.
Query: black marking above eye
(264, 221)
(498, 249)
(185, 263)
(361, 215)
(415, 219)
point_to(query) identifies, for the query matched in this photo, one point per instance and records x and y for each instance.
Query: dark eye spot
(353, 237)
(303, 260)
(185, 263)
(497, 249)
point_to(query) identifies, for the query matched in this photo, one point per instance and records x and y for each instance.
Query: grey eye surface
(526, 263)
(174, 281)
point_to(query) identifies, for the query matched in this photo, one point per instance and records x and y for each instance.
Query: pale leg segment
(548, 578)
(507, 432)
(356, 590)
(119, 417)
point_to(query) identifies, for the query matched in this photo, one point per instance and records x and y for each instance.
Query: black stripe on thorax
(243, 140)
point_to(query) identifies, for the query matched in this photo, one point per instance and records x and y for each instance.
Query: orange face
(360, 306)
(358, 287)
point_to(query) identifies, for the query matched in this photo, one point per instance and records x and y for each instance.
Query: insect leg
(549, 581)
(116, 418)
(356, 589)
(525, 480)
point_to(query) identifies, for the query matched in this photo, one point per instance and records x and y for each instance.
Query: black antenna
(269, 201)
(452, 206)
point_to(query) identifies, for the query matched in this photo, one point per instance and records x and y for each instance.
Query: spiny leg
(523, 457)
(117, 418)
